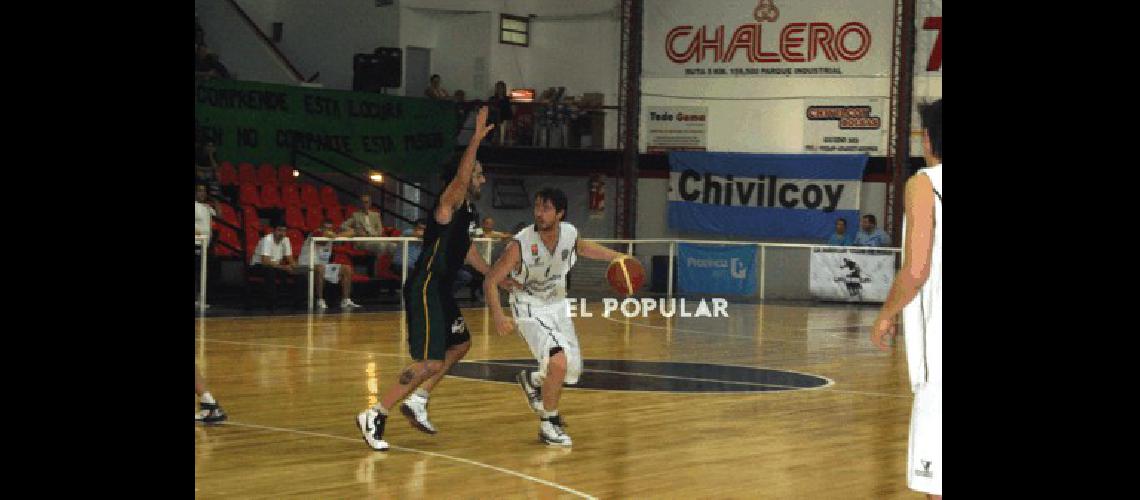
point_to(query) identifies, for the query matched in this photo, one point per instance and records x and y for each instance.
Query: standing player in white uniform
(539, 257)
(917, 293)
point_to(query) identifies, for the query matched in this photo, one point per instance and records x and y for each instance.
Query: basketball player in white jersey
(917, 294)
(539, 257)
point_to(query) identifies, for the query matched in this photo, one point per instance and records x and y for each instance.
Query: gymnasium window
(514, 30)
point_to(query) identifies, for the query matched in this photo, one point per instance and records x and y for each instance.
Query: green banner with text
(262, 123)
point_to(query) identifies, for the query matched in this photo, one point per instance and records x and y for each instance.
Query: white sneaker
(321, 304)
(347, 303)
(550, 432)
(415, 408)
(533, 394)
(371, 424)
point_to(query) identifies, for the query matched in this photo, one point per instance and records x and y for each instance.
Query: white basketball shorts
(548, 327)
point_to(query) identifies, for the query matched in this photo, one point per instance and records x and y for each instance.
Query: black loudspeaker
(372, 72)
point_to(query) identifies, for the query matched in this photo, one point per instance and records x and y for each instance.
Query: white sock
(549, 414)
(536, 379)
(421, 393)
(207, 398)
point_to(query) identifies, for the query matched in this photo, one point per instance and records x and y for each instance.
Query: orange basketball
(626, 276)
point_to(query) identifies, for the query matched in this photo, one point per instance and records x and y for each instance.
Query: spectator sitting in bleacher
(273, 260)
(870, 236)
(489, 229)
(366, 222)
(841, 237)
(204, 212)
(333, 273)
(414, 248)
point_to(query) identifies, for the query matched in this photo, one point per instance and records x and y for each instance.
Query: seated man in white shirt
(273, 260)
(333, 273)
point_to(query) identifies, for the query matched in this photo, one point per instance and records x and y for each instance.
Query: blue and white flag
(764, 195)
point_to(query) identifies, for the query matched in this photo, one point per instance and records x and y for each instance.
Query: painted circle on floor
(657, 376)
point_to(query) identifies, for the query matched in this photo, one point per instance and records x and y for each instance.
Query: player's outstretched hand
(504, 324)
(884, 328)
(509, 284)
(482, 128)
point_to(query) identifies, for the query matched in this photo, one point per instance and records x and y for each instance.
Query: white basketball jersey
(922, 317)
(542, 272)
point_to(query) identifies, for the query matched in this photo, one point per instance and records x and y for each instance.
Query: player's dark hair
(932, 122)
(556, 198)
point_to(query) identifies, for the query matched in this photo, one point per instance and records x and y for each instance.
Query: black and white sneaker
(371, 424)
(209, 413)
(550, 431)
(415, 408)
(533, 394)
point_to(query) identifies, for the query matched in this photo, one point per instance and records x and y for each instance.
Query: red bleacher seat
(309, 196)
(335, 215)
(266, 174)
(250, 218)
(227, 175)
(293, 218)
(328, 197)
(249, 196)
(285, 175)
(313, 217)
(290, 197)
(349, 210)
(246, 173)
(270, 196)
(384, 267)
(296, 239)
(227, 213)
(226, 235)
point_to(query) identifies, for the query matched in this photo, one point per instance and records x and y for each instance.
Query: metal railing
(629, 251)
(200, 240)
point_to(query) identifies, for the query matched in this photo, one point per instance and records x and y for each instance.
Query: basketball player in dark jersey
(437, 334)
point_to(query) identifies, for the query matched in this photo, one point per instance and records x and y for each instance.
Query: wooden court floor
(292, 386)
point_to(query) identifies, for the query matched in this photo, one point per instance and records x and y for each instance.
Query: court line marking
(267, 344)
(828, 386)
(678, 377)
(830, 382)
(714, 334)
(429, 453)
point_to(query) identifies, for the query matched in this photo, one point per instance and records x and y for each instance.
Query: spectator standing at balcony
(501, 113)
(871, 236)
(204, 212)
(462, 110)
(207, 65)
(841, 237)
(435, 91)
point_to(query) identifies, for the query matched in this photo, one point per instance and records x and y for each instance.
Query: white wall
(756, 115)
(323, 35)
(238, 47)
(577, 193)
